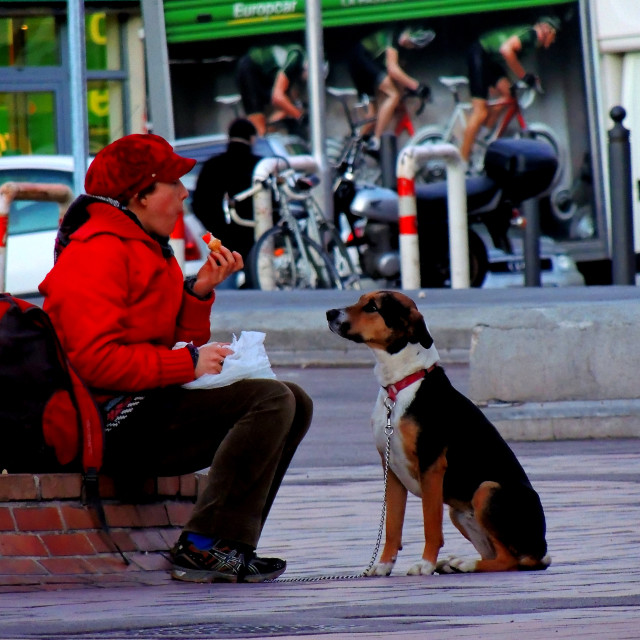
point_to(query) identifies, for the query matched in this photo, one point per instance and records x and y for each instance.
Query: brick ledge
(49, 537)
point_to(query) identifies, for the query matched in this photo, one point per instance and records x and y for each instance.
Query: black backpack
(48, 418)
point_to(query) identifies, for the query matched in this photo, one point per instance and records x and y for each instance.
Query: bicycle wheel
(542, 132)
(435, 169)
(438, 273)
(278, 262)
(342, 260)
(335, 150)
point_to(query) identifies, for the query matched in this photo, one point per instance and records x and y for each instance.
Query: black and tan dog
(443, 449)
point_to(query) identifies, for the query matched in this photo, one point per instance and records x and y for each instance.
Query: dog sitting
(442, 449)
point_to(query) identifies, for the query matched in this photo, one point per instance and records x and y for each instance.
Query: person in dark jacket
(228, 173)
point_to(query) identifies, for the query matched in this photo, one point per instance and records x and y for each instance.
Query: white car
(33, 225)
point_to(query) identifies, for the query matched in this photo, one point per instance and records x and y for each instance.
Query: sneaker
(221, 564)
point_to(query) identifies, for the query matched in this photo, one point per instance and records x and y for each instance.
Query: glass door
(27, 122)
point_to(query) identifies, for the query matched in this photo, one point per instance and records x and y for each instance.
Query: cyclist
(488, 59)
(269, 79)
(374, 66)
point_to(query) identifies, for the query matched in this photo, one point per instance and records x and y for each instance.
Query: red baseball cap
(132, 163)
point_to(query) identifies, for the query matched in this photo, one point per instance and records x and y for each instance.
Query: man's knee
(480, 110)
(279, 396)
(304, 403)
(388, 89)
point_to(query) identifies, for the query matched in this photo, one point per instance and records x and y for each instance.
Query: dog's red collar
(393, 389)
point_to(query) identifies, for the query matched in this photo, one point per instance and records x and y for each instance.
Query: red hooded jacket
(119, 305)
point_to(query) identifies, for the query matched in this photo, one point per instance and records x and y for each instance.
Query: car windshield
(28, 216)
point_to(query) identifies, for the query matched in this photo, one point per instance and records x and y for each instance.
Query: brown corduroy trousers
(246, 433)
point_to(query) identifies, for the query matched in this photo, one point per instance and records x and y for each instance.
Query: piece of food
(213, 243)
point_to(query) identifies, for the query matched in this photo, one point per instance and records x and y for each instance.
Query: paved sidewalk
(325, 522)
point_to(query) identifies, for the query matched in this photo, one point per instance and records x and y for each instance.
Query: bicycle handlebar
(288, 190)
(519, 85)
(423, 96)
(247, 193)
(230, 214)
(525, 94)
(229, 205)
(282, 177)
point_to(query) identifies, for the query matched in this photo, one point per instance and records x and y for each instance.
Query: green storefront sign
(192, 20)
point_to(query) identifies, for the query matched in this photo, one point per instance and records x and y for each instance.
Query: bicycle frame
(513, 108)
(404, 122)
(460, 112)
(315, 227)
(403, 115)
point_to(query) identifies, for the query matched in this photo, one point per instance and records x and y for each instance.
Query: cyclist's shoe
(372, 148)
(221, 563)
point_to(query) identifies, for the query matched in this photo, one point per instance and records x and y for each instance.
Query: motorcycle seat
(482, 193)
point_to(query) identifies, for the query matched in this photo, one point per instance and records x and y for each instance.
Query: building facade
(35, 103)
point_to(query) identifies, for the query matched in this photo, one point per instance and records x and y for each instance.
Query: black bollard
(531, 238)
(388, 158)
(622, 246)
(531, 242)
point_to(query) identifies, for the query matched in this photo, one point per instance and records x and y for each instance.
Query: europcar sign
(264, 9)
(191, 20)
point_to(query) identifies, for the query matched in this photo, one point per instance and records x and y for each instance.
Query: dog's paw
(381, 569)
(453, 564)
(422, 568)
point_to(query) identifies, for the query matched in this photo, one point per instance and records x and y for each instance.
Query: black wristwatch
(195, 354)
(188, 287)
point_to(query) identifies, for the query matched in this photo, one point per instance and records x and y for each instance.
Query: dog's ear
(393, 312)
(418, 331)
(406, 322)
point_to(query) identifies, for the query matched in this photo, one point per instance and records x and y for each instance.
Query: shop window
(104, 103)
(27, 122)
(104, 94)
(102, 42)
(29, 41)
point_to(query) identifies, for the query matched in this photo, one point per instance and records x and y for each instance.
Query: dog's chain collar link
(389, 405)
(388, 430)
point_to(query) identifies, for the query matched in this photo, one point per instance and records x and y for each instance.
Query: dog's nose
(332, 314)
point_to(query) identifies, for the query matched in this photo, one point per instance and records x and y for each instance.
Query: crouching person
(117, 298)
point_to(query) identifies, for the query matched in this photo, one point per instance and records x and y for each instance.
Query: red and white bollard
(408, 161)
(408, 226)
(5, 204)
(11, 191)
(263, 207)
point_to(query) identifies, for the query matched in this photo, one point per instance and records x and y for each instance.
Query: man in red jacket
(118, 301)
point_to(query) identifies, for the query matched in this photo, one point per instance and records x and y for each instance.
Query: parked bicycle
(521, 97)
(352, 149)
(303, 250)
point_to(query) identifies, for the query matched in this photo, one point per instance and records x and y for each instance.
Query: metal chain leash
(388, 430)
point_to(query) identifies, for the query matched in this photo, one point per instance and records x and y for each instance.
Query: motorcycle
(515, 170)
